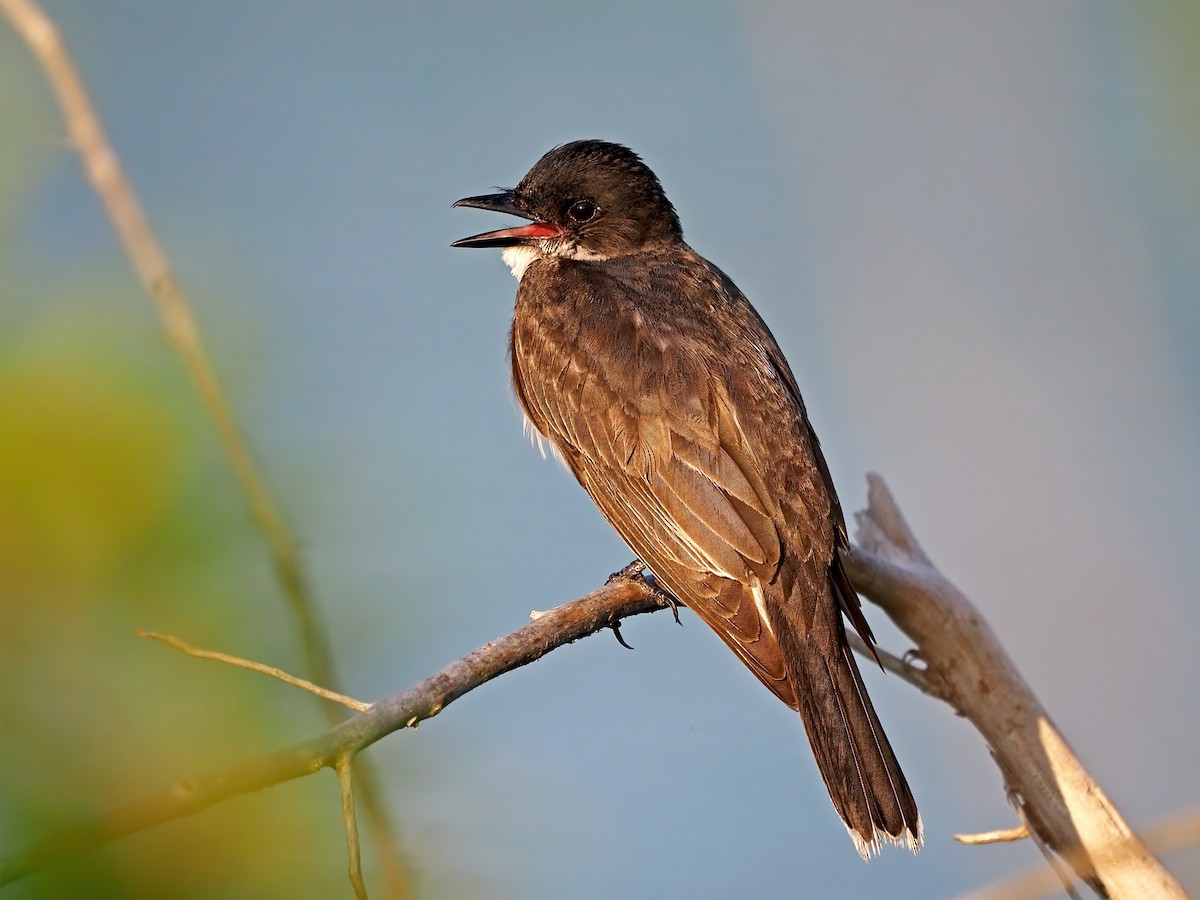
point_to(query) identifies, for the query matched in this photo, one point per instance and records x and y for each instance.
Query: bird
(662, 389)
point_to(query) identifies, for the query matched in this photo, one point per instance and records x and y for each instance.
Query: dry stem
(1000, 836)
(261, 668)
(149, 261)
(345, 773)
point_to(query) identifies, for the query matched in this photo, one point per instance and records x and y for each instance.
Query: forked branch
(966, 666)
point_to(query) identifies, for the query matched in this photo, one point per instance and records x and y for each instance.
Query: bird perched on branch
(661, 388)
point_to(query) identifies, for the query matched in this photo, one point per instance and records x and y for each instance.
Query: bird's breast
(635, 336)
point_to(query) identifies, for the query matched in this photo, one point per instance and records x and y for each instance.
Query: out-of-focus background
(974, 229)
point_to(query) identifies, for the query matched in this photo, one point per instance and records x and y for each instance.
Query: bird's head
(588, 200)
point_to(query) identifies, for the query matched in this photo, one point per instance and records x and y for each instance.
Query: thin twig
(149, 261)
(894, 664)
(1001, 836)
(217, 656)
(345, 773)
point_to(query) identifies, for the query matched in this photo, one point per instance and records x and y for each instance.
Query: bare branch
(562, 625)
(883, 528)
(217, 656)
(149, 261)
(345, 774)
(892, 663)
(967, 667)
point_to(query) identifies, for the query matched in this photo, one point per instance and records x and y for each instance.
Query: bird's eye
(582, 211)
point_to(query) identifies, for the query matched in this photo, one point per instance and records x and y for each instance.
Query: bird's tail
(860, 770)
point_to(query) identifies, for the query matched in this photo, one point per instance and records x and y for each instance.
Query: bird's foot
(636, 571)
(631, 572)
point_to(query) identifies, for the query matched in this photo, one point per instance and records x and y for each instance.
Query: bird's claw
(664, 597)
(615, 625)
(636, 571)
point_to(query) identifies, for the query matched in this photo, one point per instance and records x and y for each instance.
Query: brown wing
(843, 590)
(674, 476)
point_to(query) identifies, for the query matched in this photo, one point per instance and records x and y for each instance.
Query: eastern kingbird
(667, 397)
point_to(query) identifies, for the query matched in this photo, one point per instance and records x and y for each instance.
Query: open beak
(506, 237)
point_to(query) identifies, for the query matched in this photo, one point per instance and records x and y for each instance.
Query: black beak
(504, 202)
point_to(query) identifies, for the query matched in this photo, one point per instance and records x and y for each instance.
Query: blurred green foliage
(117, 511)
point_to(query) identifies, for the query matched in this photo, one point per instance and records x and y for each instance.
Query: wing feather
(686, 501)
(715, 464)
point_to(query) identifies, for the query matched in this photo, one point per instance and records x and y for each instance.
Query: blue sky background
(973, 228)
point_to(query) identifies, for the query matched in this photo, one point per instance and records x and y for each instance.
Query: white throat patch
(519, 258)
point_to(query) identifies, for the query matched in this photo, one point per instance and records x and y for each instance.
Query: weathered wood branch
(966, 666)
